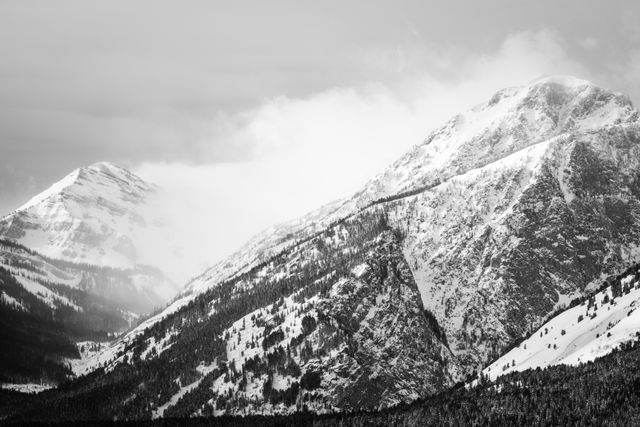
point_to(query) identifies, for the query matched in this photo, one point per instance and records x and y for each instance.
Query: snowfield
(579, 334)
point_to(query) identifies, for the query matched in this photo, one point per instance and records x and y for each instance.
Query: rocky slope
(508, 210)
(498, 217)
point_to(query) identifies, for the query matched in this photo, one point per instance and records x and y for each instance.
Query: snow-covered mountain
(508, 209)
(76, 263)
(99, 215)
(497, 218)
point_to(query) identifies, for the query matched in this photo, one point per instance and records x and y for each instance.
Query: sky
(250, 113)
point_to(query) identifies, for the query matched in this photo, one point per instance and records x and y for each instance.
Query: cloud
(308, 151)
(589, 43)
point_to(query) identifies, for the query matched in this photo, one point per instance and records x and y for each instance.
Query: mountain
(100, 215)
(70, 263)
(462, 246)
(508, 210)
(346, 329)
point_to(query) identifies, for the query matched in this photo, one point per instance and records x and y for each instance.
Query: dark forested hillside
(46, 305)
(603, 392)
(33, 342)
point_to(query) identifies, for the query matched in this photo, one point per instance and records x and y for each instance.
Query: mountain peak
(566, 96)
(562, 80)
(99, 175)
(91, 215)
(111, 169)
(106, 167)
(512, 120)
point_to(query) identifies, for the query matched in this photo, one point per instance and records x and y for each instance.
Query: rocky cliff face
(496, 248)
(393, 353)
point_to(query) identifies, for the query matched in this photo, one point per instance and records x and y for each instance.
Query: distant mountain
(457, 249)
(73, 260)
(101, 214)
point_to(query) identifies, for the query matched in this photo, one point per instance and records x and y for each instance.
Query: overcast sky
(256, 112)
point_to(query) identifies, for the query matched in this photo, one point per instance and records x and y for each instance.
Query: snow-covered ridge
(513, 119)
(56, 188)
(137, 290)
(591, 329)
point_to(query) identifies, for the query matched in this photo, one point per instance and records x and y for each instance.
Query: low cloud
(309, 151)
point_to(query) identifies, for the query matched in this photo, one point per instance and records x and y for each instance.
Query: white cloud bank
(307, 152)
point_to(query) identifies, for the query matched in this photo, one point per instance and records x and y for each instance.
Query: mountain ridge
(592, 99)
(495, 219)
(340, 209)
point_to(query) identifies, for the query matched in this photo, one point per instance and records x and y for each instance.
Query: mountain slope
(46, 305)
(342, 330)
(494, 250)
(53, 281)
(590, 328)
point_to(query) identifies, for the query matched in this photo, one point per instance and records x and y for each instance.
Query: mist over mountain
(426, 276)
(105, 215)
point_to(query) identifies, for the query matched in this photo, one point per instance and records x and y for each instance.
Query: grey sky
(156, 85)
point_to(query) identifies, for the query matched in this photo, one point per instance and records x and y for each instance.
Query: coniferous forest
(603, 392)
